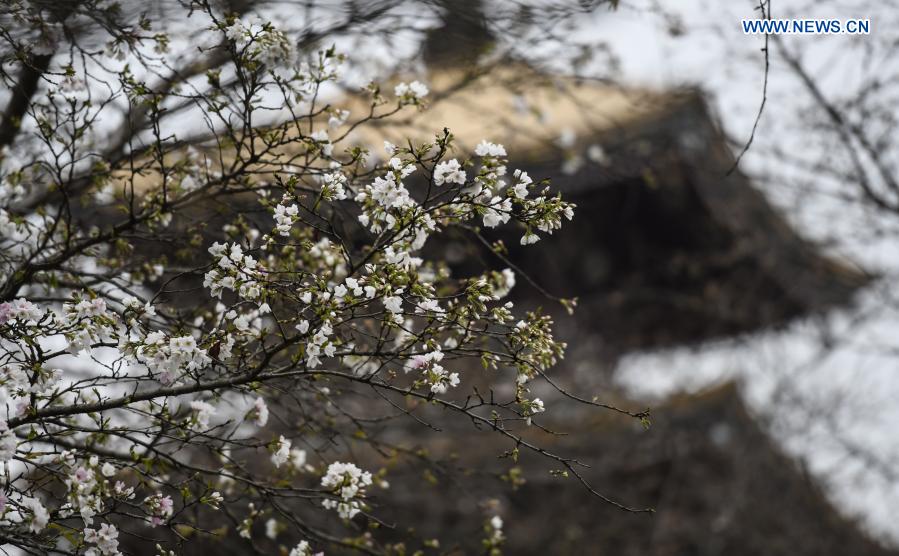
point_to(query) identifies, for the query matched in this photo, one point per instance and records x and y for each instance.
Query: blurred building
(718, 484)
(670, 246)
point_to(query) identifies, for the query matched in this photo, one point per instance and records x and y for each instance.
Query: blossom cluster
(235, 271)
(130, 390)
(260, 41)
(411, 92)
(168, 357)
(433, 374)
(347, 482)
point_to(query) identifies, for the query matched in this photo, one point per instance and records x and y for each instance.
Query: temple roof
(670, 245)
(718, 484)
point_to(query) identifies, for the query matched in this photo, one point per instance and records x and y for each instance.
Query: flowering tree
(209, 295)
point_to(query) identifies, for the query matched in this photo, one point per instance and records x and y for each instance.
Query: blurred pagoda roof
(718, 484)
(669, 246)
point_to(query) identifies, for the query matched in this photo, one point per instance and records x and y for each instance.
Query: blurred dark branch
(22, 92)
(462, 36)
(33, 67)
